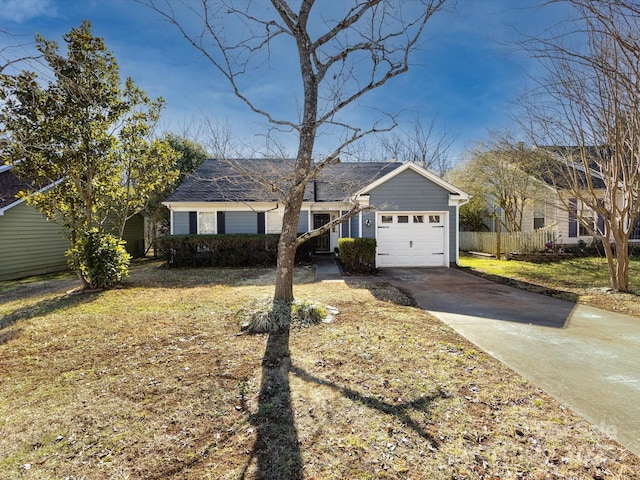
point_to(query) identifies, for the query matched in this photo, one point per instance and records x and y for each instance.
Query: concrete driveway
(583, 356)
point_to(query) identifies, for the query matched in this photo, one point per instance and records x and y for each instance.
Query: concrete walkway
(326, 268)
(583, 356)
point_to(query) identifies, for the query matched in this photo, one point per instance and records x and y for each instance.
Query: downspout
(457, 249)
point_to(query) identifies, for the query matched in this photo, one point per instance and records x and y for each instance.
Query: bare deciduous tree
(343, 50)
(590, 102)
(421, 144)
(504, 178)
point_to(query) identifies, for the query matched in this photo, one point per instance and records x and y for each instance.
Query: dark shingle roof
(568, 163)
(10, 185)
(239, 180)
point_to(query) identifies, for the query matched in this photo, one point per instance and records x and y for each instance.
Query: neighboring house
(558, 209)
(415, 221)
(30, 244)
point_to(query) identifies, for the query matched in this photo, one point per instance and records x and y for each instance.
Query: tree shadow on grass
(7, 336)
(276, 447)
(398, 410)
(45, 307)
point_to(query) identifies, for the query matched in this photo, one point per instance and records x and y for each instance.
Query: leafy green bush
(101, 258)
(358, 255)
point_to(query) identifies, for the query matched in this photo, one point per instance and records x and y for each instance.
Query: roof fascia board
(10, 206)
(244, 206)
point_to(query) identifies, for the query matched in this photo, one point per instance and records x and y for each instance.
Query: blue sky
(465, 75)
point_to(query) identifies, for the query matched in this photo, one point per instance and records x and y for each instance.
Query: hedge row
(358, 255)
(224, 250)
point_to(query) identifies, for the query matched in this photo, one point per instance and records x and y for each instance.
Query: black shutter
(261, 223)
(600, 224)
(193, 222)
(573, 219)
(220, 222)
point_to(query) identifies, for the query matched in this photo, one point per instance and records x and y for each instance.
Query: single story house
(414, 218)
(29, 243)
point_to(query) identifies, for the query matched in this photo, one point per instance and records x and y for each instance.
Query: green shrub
(305, 251)
(225, 250)
(101, 258)
(358, 255)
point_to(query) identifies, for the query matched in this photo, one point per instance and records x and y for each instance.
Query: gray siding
(241, 222)
(180, 223)
(345, 231)
(409, 191)
(235, 222)
(303, 222)
(29, 244)
(369, 231)
(354, 224)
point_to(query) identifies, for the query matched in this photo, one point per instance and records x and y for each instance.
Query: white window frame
(211, 223)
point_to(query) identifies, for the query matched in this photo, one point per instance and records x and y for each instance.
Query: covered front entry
(415, 239)
(323, 241)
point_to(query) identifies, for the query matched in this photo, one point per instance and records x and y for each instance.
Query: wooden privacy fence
(521, 242)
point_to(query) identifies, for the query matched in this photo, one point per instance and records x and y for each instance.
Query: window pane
(434, 218)
(206, 222)
(418, 219)
(386, 219)
(403, 218)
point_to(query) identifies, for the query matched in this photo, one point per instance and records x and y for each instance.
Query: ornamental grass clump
(267, 316)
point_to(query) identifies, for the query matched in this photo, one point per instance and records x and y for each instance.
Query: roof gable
(419, 170)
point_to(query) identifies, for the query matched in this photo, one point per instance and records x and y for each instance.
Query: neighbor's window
(418, 219)
(434, 218)
(587, 219)
(386, 219)
(538, 214)
(206, 222)
(403, 218)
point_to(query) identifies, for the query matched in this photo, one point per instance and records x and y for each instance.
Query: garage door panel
(419, 242)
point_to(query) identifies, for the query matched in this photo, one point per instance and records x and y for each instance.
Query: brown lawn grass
(153, 381)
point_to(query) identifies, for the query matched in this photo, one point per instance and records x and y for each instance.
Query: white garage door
(411, 240)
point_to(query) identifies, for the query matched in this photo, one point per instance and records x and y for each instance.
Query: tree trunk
(622, 268)
(284, 271)
(287, 247)
(622, 264)
(608, 253)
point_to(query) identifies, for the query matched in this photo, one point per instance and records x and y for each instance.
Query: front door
(323, 241)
